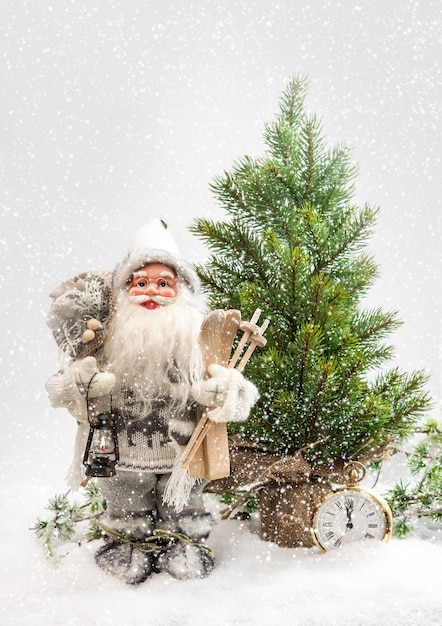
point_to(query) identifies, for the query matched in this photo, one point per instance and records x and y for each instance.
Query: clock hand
(349, 525)
(349, 509)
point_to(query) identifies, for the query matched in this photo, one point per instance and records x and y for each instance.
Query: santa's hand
(227, 393)
(89, 379)
(213, 391)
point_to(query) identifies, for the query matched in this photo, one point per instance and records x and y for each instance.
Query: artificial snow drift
(254, 583)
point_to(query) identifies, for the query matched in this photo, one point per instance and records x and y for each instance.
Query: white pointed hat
(154, 243)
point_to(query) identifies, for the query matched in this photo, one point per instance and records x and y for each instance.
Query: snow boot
(188, 558)
(122, 558)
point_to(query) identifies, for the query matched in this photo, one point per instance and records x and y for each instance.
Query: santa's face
(146, 349)
(153, 285)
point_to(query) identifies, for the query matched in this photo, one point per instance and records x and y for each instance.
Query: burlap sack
(68, 333)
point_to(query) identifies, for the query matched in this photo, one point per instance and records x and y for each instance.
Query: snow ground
(254, 583)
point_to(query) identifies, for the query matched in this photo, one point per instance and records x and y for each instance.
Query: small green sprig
(421, 497)
(249, 505)
(67, 515)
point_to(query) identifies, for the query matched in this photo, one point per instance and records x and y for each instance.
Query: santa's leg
(130, 518)
(189, 558)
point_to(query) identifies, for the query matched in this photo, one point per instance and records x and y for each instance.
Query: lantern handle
(87, 397)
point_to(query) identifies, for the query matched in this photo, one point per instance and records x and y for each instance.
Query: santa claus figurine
(131, 339)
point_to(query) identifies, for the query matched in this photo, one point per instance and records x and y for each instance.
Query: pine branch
(67, 515)
(326, 372)
(335, 183)
(349, 240)
(310, 134)
(291, 115)
(421, 497)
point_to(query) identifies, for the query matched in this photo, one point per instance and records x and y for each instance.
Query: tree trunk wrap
(290, 491)
(287, 512)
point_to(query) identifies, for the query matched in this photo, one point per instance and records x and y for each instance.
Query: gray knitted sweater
(147, 439)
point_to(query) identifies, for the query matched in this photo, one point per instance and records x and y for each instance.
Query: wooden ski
(207, 452)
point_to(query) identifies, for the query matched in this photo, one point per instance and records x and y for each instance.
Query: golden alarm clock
(351, 513)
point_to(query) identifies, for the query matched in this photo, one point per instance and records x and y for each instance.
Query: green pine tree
(294, 245)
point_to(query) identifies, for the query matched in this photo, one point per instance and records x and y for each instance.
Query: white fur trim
(185, 562)
(196, 526)
(154, 244)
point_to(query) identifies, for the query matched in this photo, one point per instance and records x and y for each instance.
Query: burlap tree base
(286, 512)
(287, 490)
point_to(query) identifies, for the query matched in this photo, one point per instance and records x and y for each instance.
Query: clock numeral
(368, 536)
(372, 525)
(339, 505)
(330, 534)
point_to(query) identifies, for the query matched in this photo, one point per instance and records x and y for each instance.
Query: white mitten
(240, 397)
(89, 379)
(227, 393)
(213, 391)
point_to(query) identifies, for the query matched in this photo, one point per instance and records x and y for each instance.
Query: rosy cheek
(168, 292)
(136, 291)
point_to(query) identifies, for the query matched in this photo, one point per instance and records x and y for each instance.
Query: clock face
(351, 514)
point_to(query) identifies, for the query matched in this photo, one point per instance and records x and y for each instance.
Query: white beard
(156, 352)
